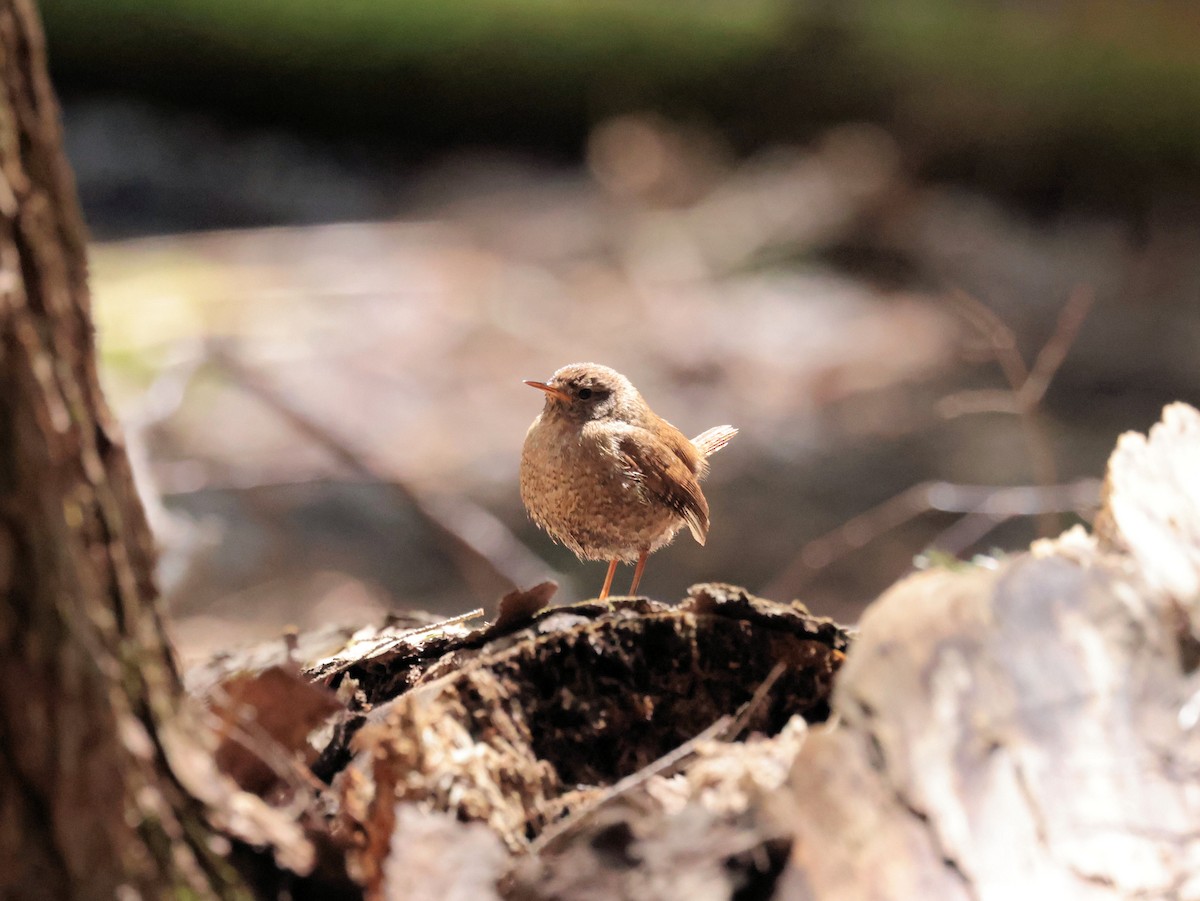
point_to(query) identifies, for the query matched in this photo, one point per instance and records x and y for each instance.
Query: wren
(606, 476)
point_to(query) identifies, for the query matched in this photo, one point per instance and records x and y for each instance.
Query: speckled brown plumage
(605, 476)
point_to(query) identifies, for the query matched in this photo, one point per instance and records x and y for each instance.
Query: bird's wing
(665, 476)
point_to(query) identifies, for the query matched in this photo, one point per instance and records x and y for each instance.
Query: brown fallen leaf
(263, 721)
(518, 606)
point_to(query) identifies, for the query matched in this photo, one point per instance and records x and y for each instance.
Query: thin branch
(998, 337)
(725, 729)
(1027, 385)
(849, 536)
(971, 402)
(396, 640)
(488, 555)
(1054, 351)
(967, 532)
(742, 719)
(669, 760)
(244, 730)
(996, 504)
(1014, 500)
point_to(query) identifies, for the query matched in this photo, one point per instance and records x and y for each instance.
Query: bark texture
(89, 807)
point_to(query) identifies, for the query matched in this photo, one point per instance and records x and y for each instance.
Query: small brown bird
(606, 476)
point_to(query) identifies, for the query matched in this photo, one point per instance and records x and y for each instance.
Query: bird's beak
(552, 391)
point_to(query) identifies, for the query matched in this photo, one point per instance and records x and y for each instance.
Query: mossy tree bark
(88, 801)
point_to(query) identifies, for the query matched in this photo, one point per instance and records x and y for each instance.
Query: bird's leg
(612, 568)
(637, 572)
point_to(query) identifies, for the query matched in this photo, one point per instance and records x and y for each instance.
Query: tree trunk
(89, 807)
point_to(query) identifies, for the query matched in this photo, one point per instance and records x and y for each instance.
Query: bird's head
(583, 392)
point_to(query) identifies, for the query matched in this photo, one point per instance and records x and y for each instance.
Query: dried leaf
(263, 721)
(518, 606)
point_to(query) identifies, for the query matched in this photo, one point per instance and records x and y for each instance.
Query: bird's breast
(575, 486)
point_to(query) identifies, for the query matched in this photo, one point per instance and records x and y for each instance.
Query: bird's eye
(585, 393)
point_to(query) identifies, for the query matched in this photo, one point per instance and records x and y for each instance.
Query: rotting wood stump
(535, 722)
(526, 724)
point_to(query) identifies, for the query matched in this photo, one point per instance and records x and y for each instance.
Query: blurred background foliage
(951, 244)
(1046, 101)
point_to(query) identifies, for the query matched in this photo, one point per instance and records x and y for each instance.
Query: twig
(420, 630)
(985, 400)
(725, 729)
(489, 556)
(1004, 504)
(999, 338)
(998, 504)
(573, 822)
(255, 740)
(1013, 500)
(1027, 385)
(849, 536)
(967, 531)
(1054, 351)
(756, 701)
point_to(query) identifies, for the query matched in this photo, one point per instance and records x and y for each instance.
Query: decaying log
(1024, 726)
(536, 728)
(531, 725)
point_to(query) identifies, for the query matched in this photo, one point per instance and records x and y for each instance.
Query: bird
(607, 477)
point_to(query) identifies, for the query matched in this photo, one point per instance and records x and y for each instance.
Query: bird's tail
(712, 440)
(708, 443)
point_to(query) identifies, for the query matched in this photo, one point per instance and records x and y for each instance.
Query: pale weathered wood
(1023, 730)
